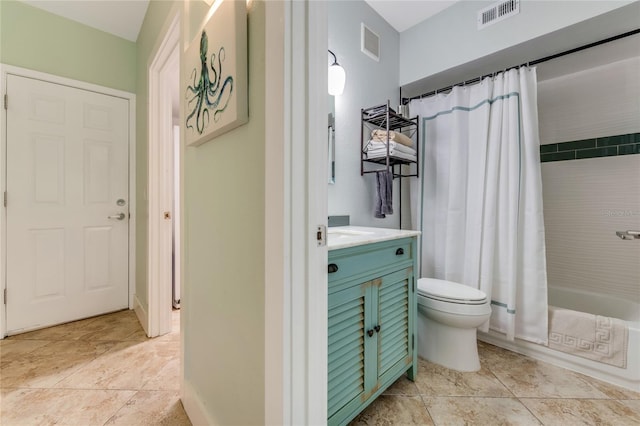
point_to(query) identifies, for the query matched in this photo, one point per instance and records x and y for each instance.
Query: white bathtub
(592, 303)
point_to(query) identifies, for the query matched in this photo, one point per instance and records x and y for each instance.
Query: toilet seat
(450, 292)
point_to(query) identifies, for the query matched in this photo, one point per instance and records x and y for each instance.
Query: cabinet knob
(400, 252)
(332, 268)
(370, 333)
(377, 328)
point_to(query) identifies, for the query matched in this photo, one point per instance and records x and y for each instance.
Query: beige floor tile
(48, 365)
(59, 332)
(128, 365)
(167, 379)
(394, 410)
(633, 404)
(175, 320)
(402, 386)
(11, 349)
(529, 378)
(582, 411)
(22, 407)
(170, 337)
(494, 357)
(137, 336)
(115, 326)
(152, 408)
(613, 391)
(435, 380)
(470, 411)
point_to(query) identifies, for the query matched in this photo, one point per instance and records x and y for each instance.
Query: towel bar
(628, 235)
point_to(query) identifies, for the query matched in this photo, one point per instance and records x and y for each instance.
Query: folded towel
(374, 145)
(382, 153)
(381, 136)
(384, 196)
(377, 110)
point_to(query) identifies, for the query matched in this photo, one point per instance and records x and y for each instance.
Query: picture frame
(216, 74)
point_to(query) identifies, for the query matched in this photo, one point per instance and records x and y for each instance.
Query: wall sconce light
(337, 77)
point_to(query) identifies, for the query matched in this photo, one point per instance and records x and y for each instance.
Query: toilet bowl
(448, 317)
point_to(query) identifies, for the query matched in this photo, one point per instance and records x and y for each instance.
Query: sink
(348, 236)
(348, 232)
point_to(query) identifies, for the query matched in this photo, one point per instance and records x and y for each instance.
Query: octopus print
(210, 94)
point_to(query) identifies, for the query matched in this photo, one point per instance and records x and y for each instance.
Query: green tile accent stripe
(591, 148)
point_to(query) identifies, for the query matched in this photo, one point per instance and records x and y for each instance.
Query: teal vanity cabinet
(372, 315)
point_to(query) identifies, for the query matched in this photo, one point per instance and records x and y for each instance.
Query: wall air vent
(369, 42)
(497, 12)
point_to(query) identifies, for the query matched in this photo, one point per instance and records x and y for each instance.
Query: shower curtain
(478, 201)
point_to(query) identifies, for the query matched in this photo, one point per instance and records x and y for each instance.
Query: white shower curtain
(478, 201)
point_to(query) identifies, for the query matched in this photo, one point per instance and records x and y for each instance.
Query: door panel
(346, 338)
(393, 318)
(67, 165)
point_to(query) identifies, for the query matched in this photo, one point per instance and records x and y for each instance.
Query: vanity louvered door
(347, 319)
(371, 321)
(395, 324)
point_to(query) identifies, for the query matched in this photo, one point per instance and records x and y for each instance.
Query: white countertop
(349, 236)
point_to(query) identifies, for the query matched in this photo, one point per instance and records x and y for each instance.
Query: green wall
(35, 39)
(224, 295)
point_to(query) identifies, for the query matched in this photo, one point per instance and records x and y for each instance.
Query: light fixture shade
(337, 77)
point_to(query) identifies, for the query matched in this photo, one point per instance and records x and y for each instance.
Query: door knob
(119, 216)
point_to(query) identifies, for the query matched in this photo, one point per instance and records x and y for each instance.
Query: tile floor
(104, 371)
(509, 389)
(98, 371)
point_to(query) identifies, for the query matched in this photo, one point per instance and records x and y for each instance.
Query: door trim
(295, 267)
(159, 295)
(6, 70)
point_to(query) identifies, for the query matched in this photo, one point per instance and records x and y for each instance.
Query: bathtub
(593, 303)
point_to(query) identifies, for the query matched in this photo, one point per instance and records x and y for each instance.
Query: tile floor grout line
(501, 382)
(427, 409)
(531, 412)
(120, 408)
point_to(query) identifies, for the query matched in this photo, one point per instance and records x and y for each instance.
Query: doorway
(164, 152)
(69, 217)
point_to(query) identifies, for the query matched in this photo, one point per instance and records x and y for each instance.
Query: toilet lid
(448, 291)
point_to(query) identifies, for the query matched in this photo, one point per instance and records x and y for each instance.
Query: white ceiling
(404, 14)
(122, 18)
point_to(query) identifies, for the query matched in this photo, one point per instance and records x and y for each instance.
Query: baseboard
(142, 314)
(194, 407)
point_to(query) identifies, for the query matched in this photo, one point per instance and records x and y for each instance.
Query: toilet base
(451, 347)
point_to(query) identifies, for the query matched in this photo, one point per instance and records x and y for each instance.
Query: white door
(68, 203)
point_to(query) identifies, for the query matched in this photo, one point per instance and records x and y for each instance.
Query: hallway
(97, 371)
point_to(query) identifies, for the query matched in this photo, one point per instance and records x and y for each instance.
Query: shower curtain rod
(537, 61)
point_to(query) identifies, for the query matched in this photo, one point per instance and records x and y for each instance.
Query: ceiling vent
(369, 42)
(497, 12)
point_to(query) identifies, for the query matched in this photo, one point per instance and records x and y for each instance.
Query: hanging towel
(384, 196)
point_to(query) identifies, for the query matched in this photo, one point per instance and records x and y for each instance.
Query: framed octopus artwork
(215, 93)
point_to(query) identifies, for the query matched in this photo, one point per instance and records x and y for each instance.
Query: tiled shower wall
(590, 130)
(607, 146)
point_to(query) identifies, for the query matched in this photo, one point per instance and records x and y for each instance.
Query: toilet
(448, 317)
